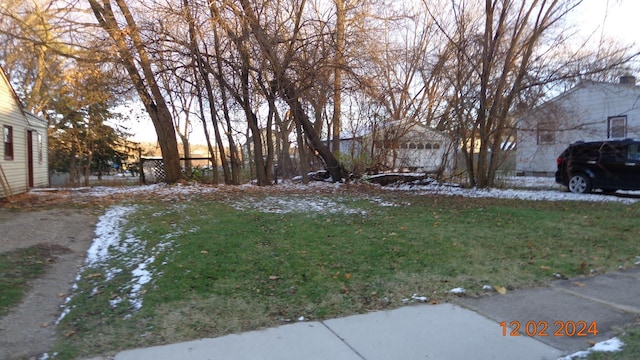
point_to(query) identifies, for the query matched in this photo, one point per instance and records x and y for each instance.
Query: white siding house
(401, 146)
(588, 112)
(23, 156)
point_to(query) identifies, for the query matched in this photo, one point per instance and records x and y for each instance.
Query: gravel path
(28, 330)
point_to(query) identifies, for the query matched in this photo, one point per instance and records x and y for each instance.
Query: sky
(616, 18)
(610, 18)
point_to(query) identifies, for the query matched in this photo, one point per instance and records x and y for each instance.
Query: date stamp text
(569, 328)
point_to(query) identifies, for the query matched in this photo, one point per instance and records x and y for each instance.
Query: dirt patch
(28, 330)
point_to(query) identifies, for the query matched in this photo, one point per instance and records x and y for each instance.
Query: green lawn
(20, 266)
(216, 270)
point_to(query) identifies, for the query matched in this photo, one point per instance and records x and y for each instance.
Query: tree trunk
(230, 172)
(337, 80)
(261, 173)
(186, 150)
(145, 83)
(269, 158)
(72, 170)
(332, 165)
(302, 151)
(285, 164)
(212, 154)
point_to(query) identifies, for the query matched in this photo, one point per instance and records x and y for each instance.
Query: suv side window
(585, 151)
(612, 153)
(633, 154)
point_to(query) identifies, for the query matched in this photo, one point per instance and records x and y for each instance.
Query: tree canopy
(274, 85)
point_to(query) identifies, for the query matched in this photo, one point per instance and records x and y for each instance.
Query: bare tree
(136, 61)
(33, 51)
(291, 89)
(56, 79)
(337, 74)
(498, 54)
(231, 166)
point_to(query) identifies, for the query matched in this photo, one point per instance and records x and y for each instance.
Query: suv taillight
(559, 160)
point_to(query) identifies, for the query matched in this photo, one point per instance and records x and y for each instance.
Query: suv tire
(579, 184)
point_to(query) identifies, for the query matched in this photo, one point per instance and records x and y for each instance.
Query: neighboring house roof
(368, 130)
(586, 86)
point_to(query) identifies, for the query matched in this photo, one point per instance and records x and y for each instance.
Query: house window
(8, 142)
(420, 146)
(617, 127)
(40, 148)
(436, 146)
(546, 132)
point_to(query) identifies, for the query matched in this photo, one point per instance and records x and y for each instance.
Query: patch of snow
(537, 182)
(524, 188)
(141, 276)
(285, 204)
(611, 345)
(64, 313)
(107, 234)
(384, 203)
(46, 356)
(115, 302)
(158, 190)
(130, 251)
(419, 298)
(414, 297)
(457, 291)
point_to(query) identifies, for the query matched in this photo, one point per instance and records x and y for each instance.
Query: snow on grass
(111, 254)
(157, 190)
(520, 188)
(457, 291)
(282, 204)
(414, 298)
(611, 345)
(107, 234)
(108, 242)
(517, 187)
(134, 259)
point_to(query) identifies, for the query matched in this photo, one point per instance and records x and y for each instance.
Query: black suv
(606, 165)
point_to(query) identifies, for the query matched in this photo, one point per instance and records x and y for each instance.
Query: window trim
(7, 139)
(40, 147)
(610, 127)
(546, 133)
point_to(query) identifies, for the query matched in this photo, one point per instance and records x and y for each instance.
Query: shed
(23, 163)
(401, 146)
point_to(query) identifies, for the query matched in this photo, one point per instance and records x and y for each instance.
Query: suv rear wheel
(579, 184)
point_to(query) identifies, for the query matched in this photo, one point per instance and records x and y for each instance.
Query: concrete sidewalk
(468, 330)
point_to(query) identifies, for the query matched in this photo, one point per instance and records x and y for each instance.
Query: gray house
(588, 112)
(23, 162)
